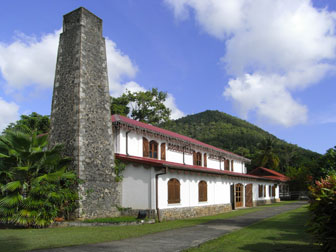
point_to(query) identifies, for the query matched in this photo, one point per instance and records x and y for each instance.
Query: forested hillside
(236, 135)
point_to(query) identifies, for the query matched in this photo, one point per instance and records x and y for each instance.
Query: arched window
(145, 147)
(163, 151)
(202, 191)
(197, 158)
(153, 149)
(173, 191)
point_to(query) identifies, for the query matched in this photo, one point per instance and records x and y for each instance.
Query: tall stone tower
(80, 116)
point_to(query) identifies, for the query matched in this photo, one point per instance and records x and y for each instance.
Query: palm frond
(11, 186)
(11, 200)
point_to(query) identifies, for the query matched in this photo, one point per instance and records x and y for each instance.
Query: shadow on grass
(281, 247)
(11, 244)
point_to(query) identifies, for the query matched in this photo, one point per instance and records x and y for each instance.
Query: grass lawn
(28, 239)
(112, 220)
(284, 232)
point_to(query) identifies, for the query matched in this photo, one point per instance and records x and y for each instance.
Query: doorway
(239, 195)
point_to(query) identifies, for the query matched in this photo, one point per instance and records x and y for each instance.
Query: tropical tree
(266, 156)
(34, 121)
(119, 105)
(35, 184)
(145, 106)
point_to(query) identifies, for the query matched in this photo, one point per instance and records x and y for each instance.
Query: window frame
(153, 148)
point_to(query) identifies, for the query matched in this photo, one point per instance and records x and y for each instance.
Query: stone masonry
(192, 212)
(80, 116)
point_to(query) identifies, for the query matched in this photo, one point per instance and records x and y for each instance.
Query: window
(197, 158)
(264, 190)
(205, 160)
(145, 147)
(273, 190)
(202, 191)
(153, 149)
(163, 151)
(231, 165)
(173, 191)
(227, 164)
(260, 191)
(270, 190)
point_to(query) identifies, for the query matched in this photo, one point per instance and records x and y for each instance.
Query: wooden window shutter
(173, 191)
(205, 160)
(231, 165)
(226, 164)
(145, 147)
(260, 191)
(270, 191)
(194, 158)
(202, 191)
(264, 190)
(273, 191)
(163, 151)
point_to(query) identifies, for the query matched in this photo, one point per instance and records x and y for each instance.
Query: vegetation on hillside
(243, 138)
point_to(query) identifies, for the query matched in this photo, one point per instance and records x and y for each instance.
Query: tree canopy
(34, 122)
(145, 106)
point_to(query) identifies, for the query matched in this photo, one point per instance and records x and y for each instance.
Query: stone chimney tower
(80, 116)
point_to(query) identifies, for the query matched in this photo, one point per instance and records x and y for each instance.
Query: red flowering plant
(323, 212)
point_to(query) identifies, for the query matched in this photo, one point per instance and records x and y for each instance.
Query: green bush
(323, 212)
(35, 186)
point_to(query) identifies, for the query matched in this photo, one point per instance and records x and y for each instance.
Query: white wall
(135, 146)
(137, 187)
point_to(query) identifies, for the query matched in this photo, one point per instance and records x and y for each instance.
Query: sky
(271, 63)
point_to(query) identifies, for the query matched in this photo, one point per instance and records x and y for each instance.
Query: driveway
(183, 238)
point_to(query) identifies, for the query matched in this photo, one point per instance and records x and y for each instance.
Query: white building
(182, 177)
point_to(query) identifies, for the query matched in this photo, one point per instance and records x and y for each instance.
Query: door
(249, 195)
(239, 195)
(232, 197)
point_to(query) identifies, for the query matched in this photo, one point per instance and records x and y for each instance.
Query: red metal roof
(116, 118)
(178, 166)
(261, 171)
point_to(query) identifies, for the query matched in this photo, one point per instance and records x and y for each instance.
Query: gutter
(157, 191)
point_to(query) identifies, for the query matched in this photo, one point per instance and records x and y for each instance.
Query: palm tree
(266, 157)
(34, 182)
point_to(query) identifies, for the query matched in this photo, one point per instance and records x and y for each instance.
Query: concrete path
(183, 238)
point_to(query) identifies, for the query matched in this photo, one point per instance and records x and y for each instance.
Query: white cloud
(31, 61)
(273, 48)
(8, 113)
(170, 103)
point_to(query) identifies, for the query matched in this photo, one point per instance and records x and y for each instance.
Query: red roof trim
(117, 118)
(178, 166)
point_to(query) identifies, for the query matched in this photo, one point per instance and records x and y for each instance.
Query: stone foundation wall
(151, 213)
(192, 212)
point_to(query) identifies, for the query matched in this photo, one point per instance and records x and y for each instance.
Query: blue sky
(271, 63)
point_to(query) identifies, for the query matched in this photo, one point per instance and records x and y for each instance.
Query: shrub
(35, 186)
(323, 212)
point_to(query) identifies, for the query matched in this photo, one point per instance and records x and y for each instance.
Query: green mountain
(238, 136)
